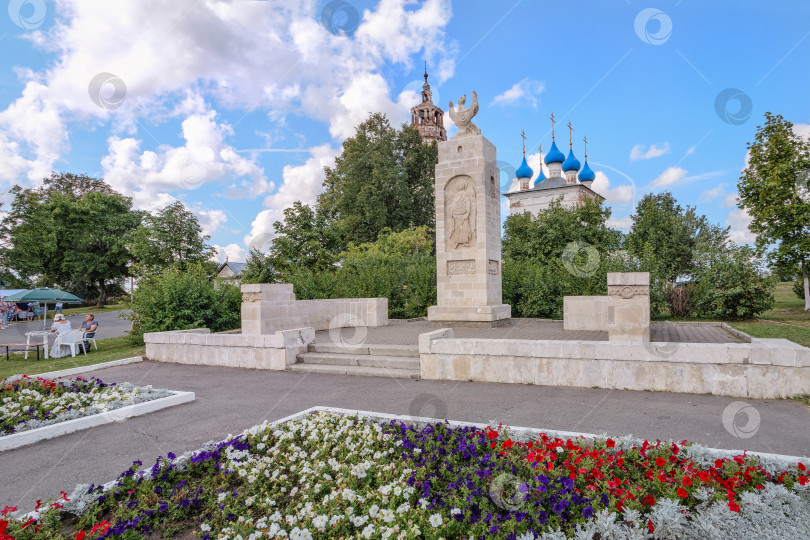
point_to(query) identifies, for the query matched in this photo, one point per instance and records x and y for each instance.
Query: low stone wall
(200, 347)
(763, 368)
(268, 308)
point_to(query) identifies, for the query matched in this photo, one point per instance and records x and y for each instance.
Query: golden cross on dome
(570, 135)
(540, 149)
(523, 134)
(585, 138)
(552, 126)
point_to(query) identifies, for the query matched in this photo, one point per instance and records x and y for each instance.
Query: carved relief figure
(461, 212)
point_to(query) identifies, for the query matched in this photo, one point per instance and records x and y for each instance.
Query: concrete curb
(24, 438)
(93, 367)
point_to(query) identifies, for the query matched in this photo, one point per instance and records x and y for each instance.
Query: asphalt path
(229, 400)
(110, 325)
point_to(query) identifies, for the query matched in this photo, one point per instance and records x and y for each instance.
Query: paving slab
(406, 332)
(229, 400)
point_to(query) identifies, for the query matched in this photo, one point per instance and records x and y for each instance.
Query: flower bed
(33, 402)
(334, 476)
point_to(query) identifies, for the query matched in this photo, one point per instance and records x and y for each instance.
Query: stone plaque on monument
(468, 226)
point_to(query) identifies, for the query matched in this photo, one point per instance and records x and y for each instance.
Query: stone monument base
(453, 315)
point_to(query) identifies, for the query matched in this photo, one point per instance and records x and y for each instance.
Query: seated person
(60, 327)
(90, 325)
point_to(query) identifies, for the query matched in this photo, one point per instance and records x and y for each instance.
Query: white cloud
(150, 176)
(711, 194)
(620, 194)
(524, 91)
(670, 176)
(731, 199)
(638, 152)
(233, 252)
(274, 56)
(738, 219)
(301, 183)
(210, 220)
(623, 224)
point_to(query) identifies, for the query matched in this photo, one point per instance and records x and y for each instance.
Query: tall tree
(173, 235)
(305, 240)
(69, 232)
(675, 234)
(773, 189)
(546, 236)
(383, 179)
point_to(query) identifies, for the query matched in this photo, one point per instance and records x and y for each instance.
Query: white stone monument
(468, 226)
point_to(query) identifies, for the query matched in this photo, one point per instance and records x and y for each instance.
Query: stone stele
(468, 231)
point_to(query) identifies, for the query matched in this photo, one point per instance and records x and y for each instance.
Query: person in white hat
(60, 327)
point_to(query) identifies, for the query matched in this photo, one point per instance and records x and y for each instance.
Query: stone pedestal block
(628, 308)
(468, 232)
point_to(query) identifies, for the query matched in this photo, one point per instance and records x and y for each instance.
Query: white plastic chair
(90, 336)
(72, 339)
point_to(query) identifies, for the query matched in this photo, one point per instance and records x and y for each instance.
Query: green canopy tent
(46, 295)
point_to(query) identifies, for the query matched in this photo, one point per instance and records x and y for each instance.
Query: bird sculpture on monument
(462, 116)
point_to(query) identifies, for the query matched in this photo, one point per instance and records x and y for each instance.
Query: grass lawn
(787, 319)
(91, 309)
(108, 350)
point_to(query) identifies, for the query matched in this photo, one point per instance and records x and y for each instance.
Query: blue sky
(235, 107)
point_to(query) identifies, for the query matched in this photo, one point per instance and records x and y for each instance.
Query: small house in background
(231, 271)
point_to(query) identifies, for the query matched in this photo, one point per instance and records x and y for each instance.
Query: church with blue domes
(568, 180)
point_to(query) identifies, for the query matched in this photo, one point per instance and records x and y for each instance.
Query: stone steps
(399, 361)
(355, 370)
(411, 351)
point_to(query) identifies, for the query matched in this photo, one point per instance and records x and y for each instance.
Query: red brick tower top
(427, 117)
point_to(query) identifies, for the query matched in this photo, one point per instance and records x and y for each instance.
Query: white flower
(454, 511)
(373, 511)
(320, 521)
(387, 515)
(435, 520)
(205, 527)
(368, 531)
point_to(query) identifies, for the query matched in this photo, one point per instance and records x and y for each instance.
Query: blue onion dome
(571, 163)
(554, 155)
(524, 171)
(586, 174)
(540, 177)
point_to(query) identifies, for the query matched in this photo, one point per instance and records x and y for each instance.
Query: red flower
(660, 462)
(802, 466)
(718, 463)
(80, 535)
(649, 500)
(493, 444)
(650, 526)
(492, 434)
(687, 481)
(803, 480)
(29, 522)
(507, 444)
(8, 510)
(734, 507)
(612, 444)
(682, 493)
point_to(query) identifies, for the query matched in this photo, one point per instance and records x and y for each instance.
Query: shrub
(183, 299)
(731, 285)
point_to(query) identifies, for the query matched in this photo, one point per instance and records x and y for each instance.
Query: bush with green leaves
(398, 266)
(732, 285)
(798, 287)
(181, 299)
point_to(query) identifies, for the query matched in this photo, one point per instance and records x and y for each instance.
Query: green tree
(70, 233)
(676, 235)
(305, 240)
(382, 179)
(545, 237)
(171, 236)
(258, 268)
(773, 189)
(562, 251)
